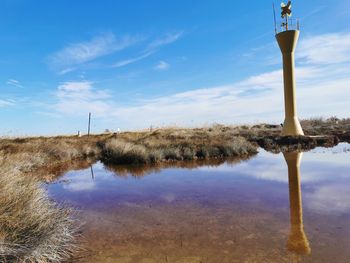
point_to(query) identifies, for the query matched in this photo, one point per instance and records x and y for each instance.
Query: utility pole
(89, 124)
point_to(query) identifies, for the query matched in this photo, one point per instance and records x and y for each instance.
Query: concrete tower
(297, 241)
(287, 40)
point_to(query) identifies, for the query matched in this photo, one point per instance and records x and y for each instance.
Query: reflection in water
(187, 212)
(297, 241)
(143, 170)
(92, 172)
(53, 172)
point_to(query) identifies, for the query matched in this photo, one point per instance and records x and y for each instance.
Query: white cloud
(220, 104)
(79, 98)
(165, 40)
(162, 66)
(79, 53)
(14, 82)
(257, 98)
(325, 49)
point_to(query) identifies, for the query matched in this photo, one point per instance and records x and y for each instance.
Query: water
(259, 210)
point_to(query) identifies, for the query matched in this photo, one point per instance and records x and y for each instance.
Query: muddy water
(272, 208)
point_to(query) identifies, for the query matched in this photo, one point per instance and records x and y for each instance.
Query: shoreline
(32, 154)
(37, 160)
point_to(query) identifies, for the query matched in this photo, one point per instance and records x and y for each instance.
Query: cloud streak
(15, 83)
(75, 54)
(126, 62)
(6, 103)
(151, 49)
(165, 40)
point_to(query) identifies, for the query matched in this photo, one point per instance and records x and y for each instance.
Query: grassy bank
(328, 126)
(40, 156)
(174, 145)
(46, 157)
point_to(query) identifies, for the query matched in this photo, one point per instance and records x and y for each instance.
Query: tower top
(287, 23)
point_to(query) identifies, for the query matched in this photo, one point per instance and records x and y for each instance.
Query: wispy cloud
(258, 98)
(162, 66)
(165, 40)
(75, 54)
(325, 49)
(215, 104)
(6, 102)
(151, 49)
(15, 83)
(315, 11)
(126, 62)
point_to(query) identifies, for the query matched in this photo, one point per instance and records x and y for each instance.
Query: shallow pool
(259, 210)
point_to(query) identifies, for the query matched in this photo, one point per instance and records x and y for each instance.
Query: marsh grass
(32, 228)
(174, 145)
(328, 126)
(28, 155)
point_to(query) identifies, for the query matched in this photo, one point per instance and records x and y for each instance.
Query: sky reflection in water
(259, 185)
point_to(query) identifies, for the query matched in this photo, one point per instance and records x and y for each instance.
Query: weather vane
(286, 12)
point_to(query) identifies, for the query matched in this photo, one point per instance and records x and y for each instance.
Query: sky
(140, 63)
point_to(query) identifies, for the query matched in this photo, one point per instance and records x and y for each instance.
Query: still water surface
(272, 208)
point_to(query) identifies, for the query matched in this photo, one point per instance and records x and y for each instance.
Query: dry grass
(27, 155)
(32, 228)
(328, 126)
(174, 145)
(32, 154)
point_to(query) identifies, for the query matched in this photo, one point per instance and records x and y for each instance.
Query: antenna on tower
(274, 17)
(286, 12)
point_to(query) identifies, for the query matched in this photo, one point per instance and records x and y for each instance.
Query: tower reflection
(297, 241)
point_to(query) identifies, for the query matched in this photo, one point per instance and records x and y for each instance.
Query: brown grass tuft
(32, 228)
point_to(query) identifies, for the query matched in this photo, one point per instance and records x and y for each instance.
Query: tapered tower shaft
(287, 41)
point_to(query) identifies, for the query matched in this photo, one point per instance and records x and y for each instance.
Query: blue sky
(134, 64)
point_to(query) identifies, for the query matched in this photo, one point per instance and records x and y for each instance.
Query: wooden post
(89, 124)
